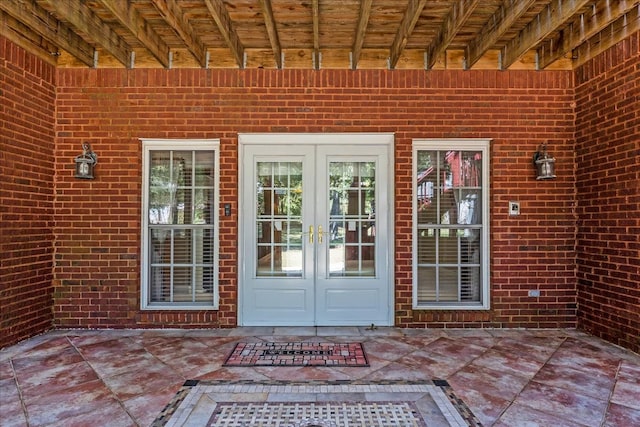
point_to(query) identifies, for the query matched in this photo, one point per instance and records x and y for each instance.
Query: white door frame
(339, 139)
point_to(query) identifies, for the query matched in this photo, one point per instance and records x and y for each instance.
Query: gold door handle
(319, 234)
(311, 234)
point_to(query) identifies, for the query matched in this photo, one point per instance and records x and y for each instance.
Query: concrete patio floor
(506, 377)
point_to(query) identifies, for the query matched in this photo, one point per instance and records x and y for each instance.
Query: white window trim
(149, 144)
(482, 145)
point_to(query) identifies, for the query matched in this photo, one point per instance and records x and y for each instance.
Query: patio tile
(6, 370)
(462, 349)
(375, 364)
(498, 384)
(564, 403)
(581, 355)
(388, 348)
(588, 384)
(484, 406)
(433, 364)
(142, 380)
(116, 357)
(145, 408)
(54, 408)
(627, 393)
(61, 356)
(521, 364)
(194, 365)
(234, 374)
(399, 371)
(520, 415)
(51, 379)
(12, 411)
(621, 416)
(507, 378)
(87, 338)
(43, 348)
(111, 414)
(538, 348)
(168, 347)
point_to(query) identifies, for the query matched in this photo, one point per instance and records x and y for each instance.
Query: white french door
(316, 233)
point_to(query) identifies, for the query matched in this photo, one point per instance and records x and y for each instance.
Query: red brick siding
(27, 101)
(608, 194)
(97, 269)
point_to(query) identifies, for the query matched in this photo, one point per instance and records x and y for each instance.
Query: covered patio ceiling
(318, 34)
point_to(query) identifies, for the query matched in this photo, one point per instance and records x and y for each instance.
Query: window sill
(458, 307)
(172, 307)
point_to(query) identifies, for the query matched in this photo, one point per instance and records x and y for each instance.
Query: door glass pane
(279, 219)
(352, 222)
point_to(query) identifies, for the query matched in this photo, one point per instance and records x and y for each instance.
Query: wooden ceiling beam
(80, 16)
(173, 15)
(128, 16)
(501, 21)
(454, 21)
(546, 22)
(361, 30)
(48, 27)
(29, 40)
(411, 16)
(615, 32)
(272, 31)
(315, 14)
(225, 26)
(582, 29)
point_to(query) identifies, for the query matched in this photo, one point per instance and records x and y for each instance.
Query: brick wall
(27, 100)
(97, 273)
(608, 194)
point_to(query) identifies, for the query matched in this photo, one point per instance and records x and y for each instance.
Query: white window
(179, 224)
(451, 224)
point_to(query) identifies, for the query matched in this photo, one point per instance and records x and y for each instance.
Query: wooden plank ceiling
(356, 34)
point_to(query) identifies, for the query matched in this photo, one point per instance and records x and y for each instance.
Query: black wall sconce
(545, 164)
(85, 162)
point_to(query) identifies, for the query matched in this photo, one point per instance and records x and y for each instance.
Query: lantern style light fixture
(85, 162)
(545, 164)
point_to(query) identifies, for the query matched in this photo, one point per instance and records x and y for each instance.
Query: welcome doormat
(357, 403)
(297, 354)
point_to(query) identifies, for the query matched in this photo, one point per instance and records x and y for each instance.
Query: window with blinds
(180, 225)
(450, 224)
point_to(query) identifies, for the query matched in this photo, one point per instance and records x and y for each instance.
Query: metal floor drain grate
(316, 414)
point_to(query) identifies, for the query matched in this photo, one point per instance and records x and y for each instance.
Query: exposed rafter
(456, 18)
(24, 37)
(582, 29)
(409, 20)
(173, 15)
(78, 14)
(51, 29)
(500, 23)
(223, 20)
(363, 21)
(315, 13)
(270, 22)
(555, 14)
(124, 11)
(375, 34)
(615, 32)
